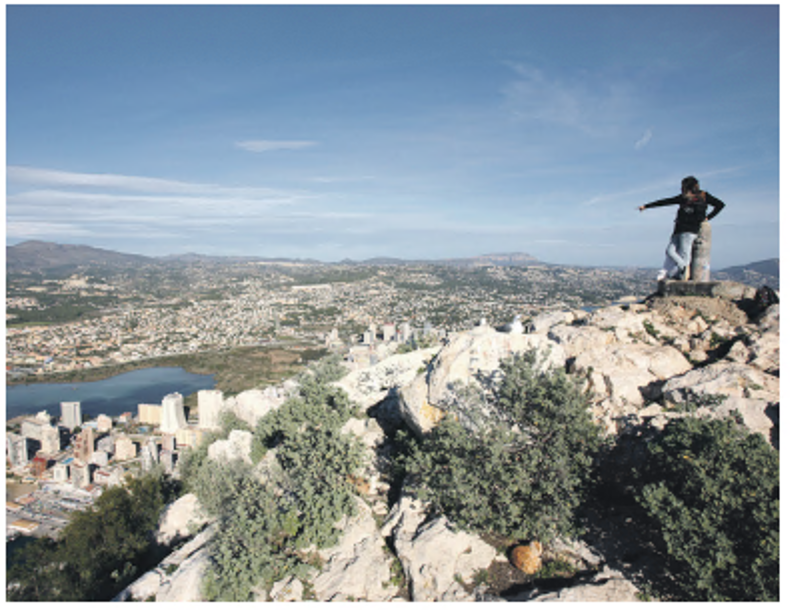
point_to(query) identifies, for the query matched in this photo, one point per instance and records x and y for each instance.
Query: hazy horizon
(405, 260)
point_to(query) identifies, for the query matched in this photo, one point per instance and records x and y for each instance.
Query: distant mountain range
(48, 256)
(44, 255)
(745, 273)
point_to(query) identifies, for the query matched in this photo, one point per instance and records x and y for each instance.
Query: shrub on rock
(523, 472)
(711, 490)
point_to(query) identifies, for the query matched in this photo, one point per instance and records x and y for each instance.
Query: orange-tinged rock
(527, 558)
(431, 414)
(361, 484)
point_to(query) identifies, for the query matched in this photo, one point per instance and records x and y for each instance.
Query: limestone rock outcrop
(667, 351)
(288, 589)
(357, 567)
(180, 520)
(369, 386)
(435, 556)
(251, 405)
(722, 379)
(185, 584)
(178, 577)
(625, 373)
(650, 362)
(467, 355)
(237, 446)
(369, 483)
(609, 585)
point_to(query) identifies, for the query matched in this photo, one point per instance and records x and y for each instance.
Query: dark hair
(689, 184)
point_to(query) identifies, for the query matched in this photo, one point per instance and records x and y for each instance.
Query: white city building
(71, 414)
(173, 416)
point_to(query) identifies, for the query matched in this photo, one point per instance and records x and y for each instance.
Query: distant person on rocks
(692, 212)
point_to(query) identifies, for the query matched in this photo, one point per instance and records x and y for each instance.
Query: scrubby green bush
(711, 490)
(316, 459)
(250, 547)
(216, 483)
(269, 512)
(326, 370)
(319, 464)
(519, 465)
(318, 404)
(229, 421)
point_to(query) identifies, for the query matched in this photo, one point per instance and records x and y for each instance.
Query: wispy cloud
(257, 146)
(591, 103)
(635, 194)
(644, 140)
(56, 204)
(20, 177)
(32, 229)
(49, 177)
(215, 204)
(340, 179)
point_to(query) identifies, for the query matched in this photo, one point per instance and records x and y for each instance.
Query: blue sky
(334, 132)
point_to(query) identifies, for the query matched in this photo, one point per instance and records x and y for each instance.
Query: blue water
(111, 396)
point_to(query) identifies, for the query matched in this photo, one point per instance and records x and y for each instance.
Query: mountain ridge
(39, 255)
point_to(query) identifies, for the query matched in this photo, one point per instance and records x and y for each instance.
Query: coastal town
(215, 309)
(60, 463)
(57, 465)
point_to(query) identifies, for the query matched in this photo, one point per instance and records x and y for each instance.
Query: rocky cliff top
(644, 363)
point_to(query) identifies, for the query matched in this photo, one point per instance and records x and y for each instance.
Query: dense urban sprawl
(210, 309)
(132, 316)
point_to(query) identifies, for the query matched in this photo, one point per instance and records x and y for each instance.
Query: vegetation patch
(711, 492)
(301, 487)
(523, 473)
(99, 552)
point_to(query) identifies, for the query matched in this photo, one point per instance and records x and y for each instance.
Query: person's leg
(679, 250)
(668, 270)
(685, 247)
(673, 251)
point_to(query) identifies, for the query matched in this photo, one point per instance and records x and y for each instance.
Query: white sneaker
(662, 275)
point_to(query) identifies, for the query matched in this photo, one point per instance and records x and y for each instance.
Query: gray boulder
(180, 519)
(436, 557)
(369, 386)
(237, 446)
(609, 585)
(626, 373)
(178, 577)
(623, 322)
(467, 355)
(289, 589)
(185, 584)
(722, 378)
(758, 416)
(251, 405)
(577, 340)
(546, 320)
(357, 567)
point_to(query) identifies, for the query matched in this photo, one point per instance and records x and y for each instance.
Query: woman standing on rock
(692, 212)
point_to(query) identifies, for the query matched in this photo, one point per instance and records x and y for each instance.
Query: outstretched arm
(662, 202)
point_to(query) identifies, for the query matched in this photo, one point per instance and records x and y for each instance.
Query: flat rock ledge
(725, 290)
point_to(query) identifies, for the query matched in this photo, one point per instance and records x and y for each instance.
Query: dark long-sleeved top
(691, 214)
